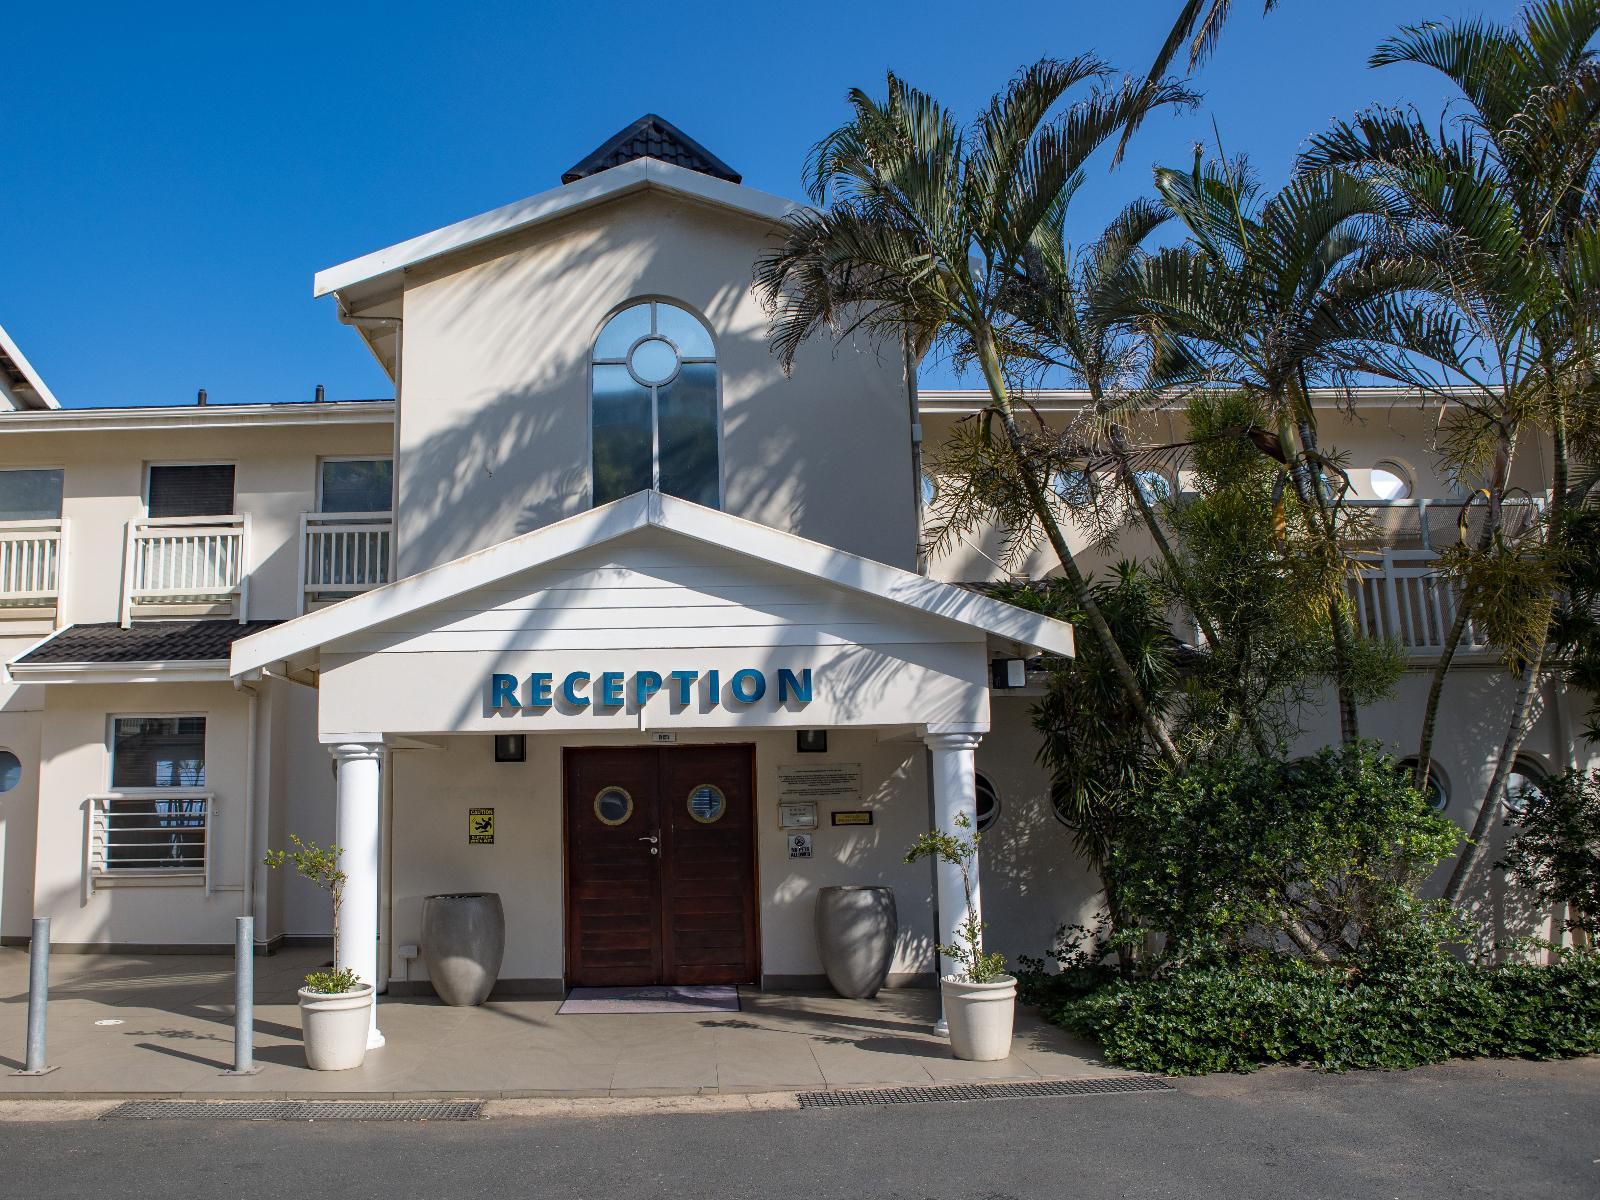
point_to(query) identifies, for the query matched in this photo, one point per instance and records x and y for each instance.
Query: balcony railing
(1429, 525)
(30, 563)
(1398, 594)
(187, 560)
(342, 554)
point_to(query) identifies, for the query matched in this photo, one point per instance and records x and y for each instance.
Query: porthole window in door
(613, 806)
(988, 802)
(656, 420)
(707, 804)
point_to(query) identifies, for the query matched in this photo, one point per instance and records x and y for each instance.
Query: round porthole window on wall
(1436, 793)
(1391, 480)
(613, 806)
(1526, 782)
(707, 804)
(988, 802)
(10, 770)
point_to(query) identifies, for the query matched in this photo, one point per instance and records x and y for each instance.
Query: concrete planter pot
(463, 943)
(857, 927)
(980, 1017)
(335, 1027)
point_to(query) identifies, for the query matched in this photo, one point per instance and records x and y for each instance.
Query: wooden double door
(661, 885)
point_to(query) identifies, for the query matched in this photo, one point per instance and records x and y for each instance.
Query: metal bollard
(244, 997)
(38, 996)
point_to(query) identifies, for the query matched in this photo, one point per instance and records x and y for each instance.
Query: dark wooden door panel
(613, 884)
(708, 865)
(686, 915)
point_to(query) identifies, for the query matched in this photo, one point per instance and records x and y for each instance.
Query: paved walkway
(122, 1025)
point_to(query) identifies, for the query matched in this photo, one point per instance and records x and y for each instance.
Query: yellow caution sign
(480, 826)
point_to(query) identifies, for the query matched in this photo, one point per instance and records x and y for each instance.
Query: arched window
(656, 419)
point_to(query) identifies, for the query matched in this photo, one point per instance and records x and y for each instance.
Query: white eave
(208, 416)
(33, 393)
(379, 270)
(293, 640)
(179, 671)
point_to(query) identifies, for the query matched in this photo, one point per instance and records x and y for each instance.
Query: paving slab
(162, 1025)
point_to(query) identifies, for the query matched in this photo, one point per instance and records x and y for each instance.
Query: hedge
(1244, 1016)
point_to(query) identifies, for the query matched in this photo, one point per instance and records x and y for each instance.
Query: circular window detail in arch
(653, 361)
(707, 804)
(1436, 793)
(1391, 480)
(613, 806)
(10, 770)
(988, 802)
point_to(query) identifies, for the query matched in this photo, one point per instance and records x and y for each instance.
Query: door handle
(652, 839)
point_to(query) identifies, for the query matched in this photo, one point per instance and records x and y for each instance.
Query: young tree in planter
(320, 866)
(921, 229)
(961, 852)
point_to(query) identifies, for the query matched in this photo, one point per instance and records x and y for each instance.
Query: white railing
(1398, 594)
(343, 553)
(30, 563)
(174, 560)
(150, 832)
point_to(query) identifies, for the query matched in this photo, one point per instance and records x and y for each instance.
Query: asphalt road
(1519, 1130)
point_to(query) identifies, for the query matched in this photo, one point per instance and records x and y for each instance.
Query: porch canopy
(648, 614)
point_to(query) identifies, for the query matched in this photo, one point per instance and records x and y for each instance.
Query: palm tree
(919, 230)
(1509, 206)
(1270, 296)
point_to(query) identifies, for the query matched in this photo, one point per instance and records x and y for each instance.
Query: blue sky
(176, 173)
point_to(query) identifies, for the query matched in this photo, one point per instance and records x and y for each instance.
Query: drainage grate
(296, 1110)
(984, 1091)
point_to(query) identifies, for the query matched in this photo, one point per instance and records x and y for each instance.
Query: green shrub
(1243, 1015)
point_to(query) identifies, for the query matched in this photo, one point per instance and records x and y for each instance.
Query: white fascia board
(198, 416)
(35, 381)
(635, 176)
(199, 671)
(644, 509)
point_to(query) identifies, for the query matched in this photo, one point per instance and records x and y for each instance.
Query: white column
(359, 807)
(953, 776)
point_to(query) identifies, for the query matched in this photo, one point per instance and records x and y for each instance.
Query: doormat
(593, 1000)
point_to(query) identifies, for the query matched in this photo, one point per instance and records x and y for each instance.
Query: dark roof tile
(652, 137)
(144, 641)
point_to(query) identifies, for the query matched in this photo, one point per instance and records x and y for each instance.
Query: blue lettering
(748, 685)
(611, 689)
(800, 688)
(569, 689)
(645, 685)
(503, 691)
(684, 681)
(539, 686)
(713, 688)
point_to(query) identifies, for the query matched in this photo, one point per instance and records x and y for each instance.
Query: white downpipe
(953, 772)
(252, 836)
(359, 814)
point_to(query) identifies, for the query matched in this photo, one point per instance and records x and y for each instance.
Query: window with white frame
(656, 419)
(157, 815)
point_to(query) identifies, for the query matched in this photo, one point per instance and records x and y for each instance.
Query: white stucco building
(600, 568)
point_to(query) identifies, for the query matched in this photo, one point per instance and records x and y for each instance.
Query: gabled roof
(645, 510)
(651, 137)
(19, 378)
(375, 273)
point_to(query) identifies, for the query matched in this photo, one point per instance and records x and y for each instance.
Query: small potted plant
(335, 1006)
(980, 999)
